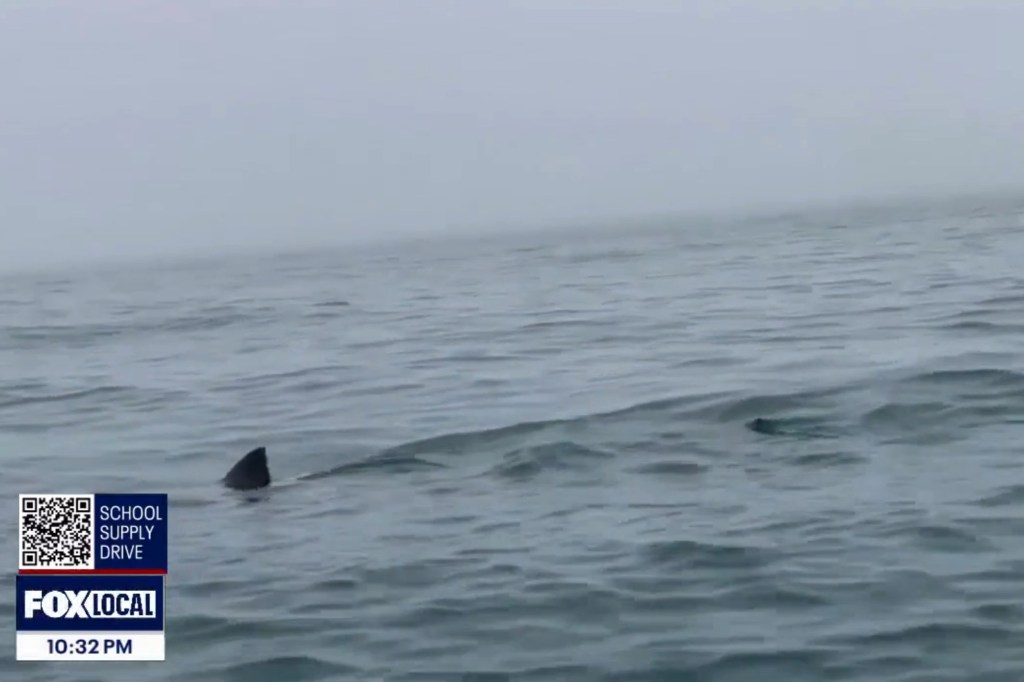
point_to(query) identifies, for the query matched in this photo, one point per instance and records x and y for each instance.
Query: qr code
(55, 531)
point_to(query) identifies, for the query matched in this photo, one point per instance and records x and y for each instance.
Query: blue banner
(90, 603)
(131, 532)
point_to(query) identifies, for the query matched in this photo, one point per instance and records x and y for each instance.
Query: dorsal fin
(250, 472)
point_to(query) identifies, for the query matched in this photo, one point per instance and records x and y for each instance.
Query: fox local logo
(91, 604)
(94, 603)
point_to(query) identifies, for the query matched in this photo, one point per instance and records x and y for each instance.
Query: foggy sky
(133, 129)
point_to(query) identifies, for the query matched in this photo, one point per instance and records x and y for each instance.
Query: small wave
(801, 427)
(985, 327)
(463, 442)
(828, 459)
(524, 463)
(383, 462)
(274, 378)
(604, 256)
(694, 405)
(927, 634)
(563, 324)
(327, 310)
(793, 664)
(87, 335)
(693, 554)
(669, 468)
(87, 393)
(1011, 614)
(292, 668)
(755, 406)
(769, 594)
(205, 320)
(203, 628)
(951, 400)
(1011, 495)
(71, 336)
(1003, 300)
(906, 415)
(336, 585)
(946, 538)
(985, 376)
(551, 673)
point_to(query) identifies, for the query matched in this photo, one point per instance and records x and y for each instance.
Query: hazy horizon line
(469, 232)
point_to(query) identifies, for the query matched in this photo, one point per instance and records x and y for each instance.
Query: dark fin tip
(762, 425)
(250, 472)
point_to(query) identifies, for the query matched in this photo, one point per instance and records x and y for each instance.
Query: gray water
(785, 449)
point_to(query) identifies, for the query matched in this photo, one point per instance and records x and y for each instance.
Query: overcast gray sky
(145, 128)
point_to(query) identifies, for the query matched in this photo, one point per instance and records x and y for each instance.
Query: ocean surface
(788, 448)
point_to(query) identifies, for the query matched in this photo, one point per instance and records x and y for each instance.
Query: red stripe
(93, 571)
